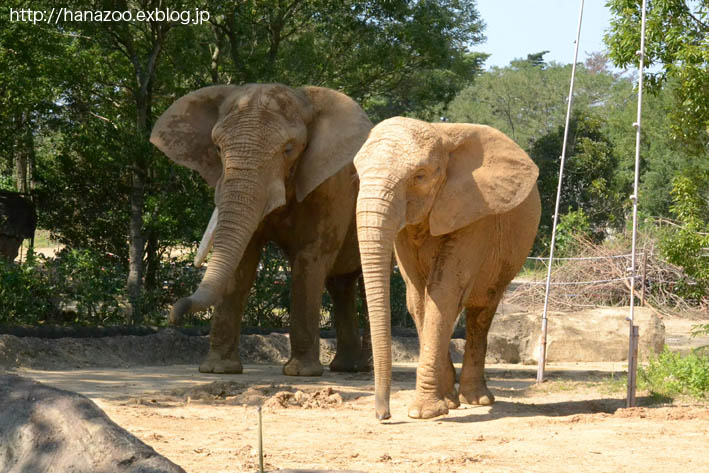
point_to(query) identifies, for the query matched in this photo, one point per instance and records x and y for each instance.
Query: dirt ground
(576, 421)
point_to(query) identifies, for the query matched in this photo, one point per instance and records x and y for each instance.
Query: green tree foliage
(677, 42)
(527, 99)
(589, 185)
(661, 154)
(82, 96)
(572, 226)
(394, 56)
(686, 245)
(31, 71)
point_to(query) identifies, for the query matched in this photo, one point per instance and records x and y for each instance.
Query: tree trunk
(135, 253)
(152, 261)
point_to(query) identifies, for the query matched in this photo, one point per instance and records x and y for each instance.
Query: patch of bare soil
(274, 396)
(574, 422)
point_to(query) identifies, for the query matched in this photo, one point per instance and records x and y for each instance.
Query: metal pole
(260, 442)
(642, 289)
(543, 341)
(632, 353)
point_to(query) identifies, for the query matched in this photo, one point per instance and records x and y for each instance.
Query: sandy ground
(574, 422)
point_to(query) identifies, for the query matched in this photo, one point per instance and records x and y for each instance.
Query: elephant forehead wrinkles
(271, 102)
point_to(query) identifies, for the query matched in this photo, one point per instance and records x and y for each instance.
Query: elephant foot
(452, 400)
(344, 363)
(298, 367)
(427, 408)
(480, 395)
(215, 364)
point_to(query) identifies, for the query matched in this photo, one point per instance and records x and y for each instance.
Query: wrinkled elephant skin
(459, 205)
(281, 161)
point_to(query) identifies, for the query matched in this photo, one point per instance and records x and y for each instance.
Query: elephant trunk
(379, 217)
(241, 207)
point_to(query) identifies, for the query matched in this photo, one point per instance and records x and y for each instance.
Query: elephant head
(437, 178)
(259, 144)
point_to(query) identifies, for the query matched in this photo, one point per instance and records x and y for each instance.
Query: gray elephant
(460, 206)
(18, 220)
(281, 161)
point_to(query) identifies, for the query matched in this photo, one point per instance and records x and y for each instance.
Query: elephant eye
(288, 149)
(219, 148)
(420, 176)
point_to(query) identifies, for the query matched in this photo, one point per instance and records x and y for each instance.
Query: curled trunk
(240, 210)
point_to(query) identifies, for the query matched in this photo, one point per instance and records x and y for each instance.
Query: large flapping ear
(487, 174)
(338, 129)
(184, 131)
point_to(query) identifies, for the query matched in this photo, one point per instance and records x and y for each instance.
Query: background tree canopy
(78, 101)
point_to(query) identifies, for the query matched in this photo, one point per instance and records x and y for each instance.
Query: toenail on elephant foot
(298, 367)
(427, 409)
(481, 397)
(214, 364)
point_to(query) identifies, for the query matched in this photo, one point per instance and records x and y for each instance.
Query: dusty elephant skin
(281, 161)
(48, 429)
(460, 206)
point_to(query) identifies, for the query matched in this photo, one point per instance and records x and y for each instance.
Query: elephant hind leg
(343, 292)
(473, 388)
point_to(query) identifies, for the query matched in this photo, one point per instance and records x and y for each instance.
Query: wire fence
(600, 277)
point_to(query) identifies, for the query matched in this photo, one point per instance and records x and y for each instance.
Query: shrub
(572, 227)
(25, 292)
(684, 244)
(671, 374)
(88, 286)
(176, 277)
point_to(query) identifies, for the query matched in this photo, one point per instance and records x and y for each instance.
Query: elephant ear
(338, 129)
(184, 131)
(487, 174)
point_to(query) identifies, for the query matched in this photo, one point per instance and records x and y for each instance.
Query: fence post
(632, 365)
(642, 290)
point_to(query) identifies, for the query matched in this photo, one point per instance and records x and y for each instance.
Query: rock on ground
(590, 335)
(44, 429)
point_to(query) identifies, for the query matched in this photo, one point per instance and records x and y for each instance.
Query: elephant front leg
(435, 377)
(307, 285)
(473, 388)
(415, 303)
(225, 332)
(343, 290)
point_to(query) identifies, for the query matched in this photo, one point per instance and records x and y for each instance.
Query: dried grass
(612, 279)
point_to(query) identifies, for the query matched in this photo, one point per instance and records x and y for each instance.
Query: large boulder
(590, 335)
(44, 429)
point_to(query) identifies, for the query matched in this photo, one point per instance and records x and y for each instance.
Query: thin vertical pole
(644, 277)
(632, 353)
(260, 442)
(543, 341)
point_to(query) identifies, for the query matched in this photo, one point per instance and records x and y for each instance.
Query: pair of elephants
(457, 203)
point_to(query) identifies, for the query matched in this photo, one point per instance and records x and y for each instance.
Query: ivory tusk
(207, 239)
